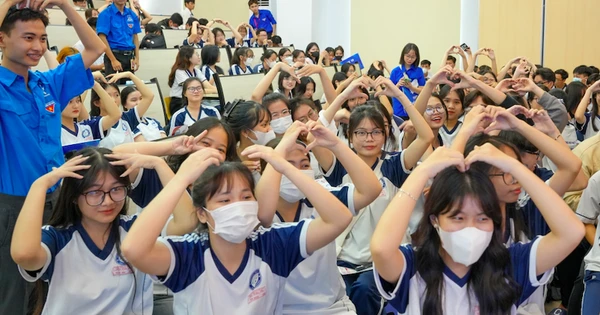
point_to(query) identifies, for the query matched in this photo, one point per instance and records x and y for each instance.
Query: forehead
(36, 27)
(433, 101)
(366, 123)
(217, 134)
(297, 153)
(469, 206)
(194, 83)
(452, 95)
(278, 105)
(134, 94)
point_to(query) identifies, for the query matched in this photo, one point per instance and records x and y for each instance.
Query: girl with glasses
(79, 251)
(367, 135)
(194, 110)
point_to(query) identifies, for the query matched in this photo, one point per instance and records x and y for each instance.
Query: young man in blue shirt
(262, 19)
(118, 27)
(30, 120)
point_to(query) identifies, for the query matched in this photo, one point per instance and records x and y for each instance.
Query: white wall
(331, 24)
(294, 21)
(469, 24)
(162, 7)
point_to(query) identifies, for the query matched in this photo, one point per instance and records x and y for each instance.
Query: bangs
(99, 165)
(218, 178)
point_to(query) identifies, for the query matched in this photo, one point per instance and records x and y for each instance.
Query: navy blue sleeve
(148, 188)
(97, 132)
(282, 246)
(131, 118)
(69, 79)
(336, 174)
(583, 127)
(231, 42)
(55, 240)
(392, 169)
(187, 262)
(520, 256)
(103, 23)
(400, 299)
(176, 121)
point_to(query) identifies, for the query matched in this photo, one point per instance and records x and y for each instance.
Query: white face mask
(289, 60)
(465, 246)
(235, 221)
(262, 138)
(289, 192)
(271, 64)
(249, 61)
(280, 125)
(576, 79)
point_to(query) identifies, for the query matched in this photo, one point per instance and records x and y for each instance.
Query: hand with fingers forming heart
(466, 81)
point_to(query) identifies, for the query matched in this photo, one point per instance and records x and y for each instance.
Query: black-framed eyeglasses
(430, 110)
(507, 178)
(363, 134)
(96, 197)
(536, 153)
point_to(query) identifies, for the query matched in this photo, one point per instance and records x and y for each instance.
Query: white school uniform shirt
(186, 14)
(408, 294)
(315, 286)
(449, 135)
(588, 212)
(182, 117)
(84, 131)
(99, 62)
(237, 70)
(148, 127)
(355, 241)
(202, 285)
(84, 279)
(180, 77)
(587, 128)
(119, 133)
(207, 72)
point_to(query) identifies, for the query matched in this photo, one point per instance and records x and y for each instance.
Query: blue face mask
(576, 79)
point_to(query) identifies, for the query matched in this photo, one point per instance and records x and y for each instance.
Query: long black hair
(94, 98)
(490, 279)
(210, 56)
(367, 111)
(244, 115)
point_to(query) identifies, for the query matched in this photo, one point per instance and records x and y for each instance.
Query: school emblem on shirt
(255, 279)
(121, 268)
(50, 107)
(130, 21)
(85, 133)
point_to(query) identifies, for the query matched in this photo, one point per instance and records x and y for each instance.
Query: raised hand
(389, 88)
(524, 85)
(442, 158)
(187, 144)
(262, 152)
(308, 70)
(197, 163)
(98, 76)
(292, 134)
(441, 77)
(489, 154)
(69, 169)
(543, 122)
(115, 77)
(134, 161)
(503, 120)
(323, 137)
(477, 119)
(466, 81)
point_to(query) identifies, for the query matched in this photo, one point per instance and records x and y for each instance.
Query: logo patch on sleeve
(50, 107)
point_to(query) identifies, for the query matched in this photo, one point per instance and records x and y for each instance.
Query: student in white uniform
(211, 55)
(79, 252)
(315, 286)
(229, 269)
(457, 263)
(588, 212)
(76, 132)
(454, 100)
(144, 128)
(185, 67)
(588, 123)
(279, 107)
(240, 62)
(194, 110)
(367, 135)
(250, 123)
(286, 82)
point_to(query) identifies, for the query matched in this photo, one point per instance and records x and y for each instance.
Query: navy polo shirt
(30, 122)
(118, 27)
(264, 20)
(413, 73)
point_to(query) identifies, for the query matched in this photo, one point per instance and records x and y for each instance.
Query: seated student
(147, 128)
(348, 69)
(285, 55)
(261, 38)
(172, 22)
(588, 123)
(581, 73)
(315, 286)
(144, 16)
(243, 30)
(457, 247)
(240, 63)
(194, 110)
(268, 61)
(330, 55)
(73, 131)
(66, 52)
(425, 66)
(306, 89)
(220, 40)
(561, 77)
(80, 5)
(154, 38)
(279, 107)
(299, 56)
(338, 53)
(210, 56)
(197, 34)
(313, 54)
(276, 41)
(99, 63)
(91, 12)
(185, 67)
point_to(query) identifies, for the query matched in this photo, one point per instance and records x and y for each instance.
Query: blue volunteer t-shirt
(416, 76)
(118, 27)
(30, 121)
(264, 20)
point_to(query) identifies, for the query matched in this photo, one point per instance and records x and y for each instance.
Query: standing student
(30, 110)
(188, 10)
(240, 62)
(184, 68)
(408, 76)
(457, 263)
(262, 19)
(366, 133)
(74, 131)
(118, 27)
(315, 286)
(228, 269)
(194, 110)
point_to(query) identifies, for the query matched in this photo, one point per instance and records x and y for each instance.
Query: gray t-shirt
(588, 212)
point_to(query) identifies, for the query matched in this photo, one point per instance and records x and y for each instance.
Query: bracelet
(559, 135)
(406, 193)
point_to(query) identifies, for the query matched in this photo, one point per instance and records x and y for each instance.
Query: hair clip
(230, 107)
